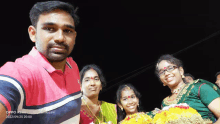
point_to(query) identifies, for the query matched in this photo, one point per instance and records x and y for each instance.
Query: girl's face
(169, 73)
(129, 101)
(91, 84)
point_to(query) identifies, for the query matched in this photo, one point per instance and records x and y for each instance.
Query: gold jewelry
(164, 84)
(92, 112)
(178, 89)
(121, 108)
(183, 76)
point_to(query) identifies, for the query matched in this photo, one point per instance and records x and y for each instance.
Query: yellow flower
(177, 113)
(137, 118)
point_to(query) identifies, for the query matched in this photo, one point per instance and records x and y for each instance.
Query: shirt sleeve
(9, 89)
(207, 94)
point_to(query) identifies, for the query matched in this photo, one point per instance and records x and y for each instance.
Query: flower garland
(178, 113)
(137, 118)
(173, 114)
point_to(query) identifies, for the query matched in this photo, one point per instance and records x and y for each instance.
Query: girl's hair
(169, 58)
(97, 69)
(121, 113)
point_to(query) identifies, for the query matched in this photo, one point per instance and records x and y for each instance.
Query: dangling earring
(183, 76)
(164, 84)
(138, 105)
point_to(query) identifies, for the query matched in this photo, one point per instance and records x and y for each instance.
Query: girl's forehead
(164, 63)
(127, 92)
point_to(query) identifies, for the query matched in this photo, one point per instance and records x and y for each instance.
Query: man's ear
(32, 33)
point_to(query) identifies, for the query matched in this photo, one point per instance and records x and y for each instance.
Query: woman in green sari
(200, 94)
(94, 111)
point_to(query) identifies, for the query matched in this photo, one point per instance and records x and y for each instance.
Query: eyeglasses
(168, 69)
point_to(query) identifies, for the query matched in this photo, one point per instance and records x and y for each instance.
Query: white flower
(174, 105)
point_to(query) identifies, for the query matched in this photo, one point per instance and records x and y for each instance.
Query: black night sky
(125, 38)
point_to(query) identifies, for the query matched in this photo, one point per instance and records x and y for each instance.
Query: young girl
(128, 101)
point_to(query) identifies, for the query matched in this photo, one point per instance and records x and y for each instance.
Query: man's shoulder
(20, 69)
(20, 63)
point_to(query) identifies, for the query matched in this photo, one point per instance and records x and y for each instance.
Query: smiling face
(54, 35)
(129, 101)
(91, 84)
(172, 78)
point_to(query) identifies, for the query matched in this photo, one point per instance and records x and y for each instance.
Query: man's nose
(59, 36)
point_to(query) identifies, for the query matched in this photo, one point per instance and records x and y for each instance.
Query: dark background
(125, 38)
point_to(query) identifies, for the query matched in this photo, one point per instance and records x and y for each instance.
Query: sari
(198, 95)
(108, 114)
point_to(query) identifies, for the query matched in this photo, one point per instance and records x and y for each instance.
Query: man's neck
(59, 65)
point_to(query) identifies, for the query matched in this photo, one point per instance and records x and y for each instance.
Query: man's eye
(49, 29)
(67, 31)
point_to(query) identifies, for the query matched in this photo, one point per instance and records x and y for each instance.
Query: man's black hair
(48, 6)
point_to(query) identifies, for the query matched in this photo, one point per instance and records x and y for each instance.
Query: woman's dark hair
(97, 69)
(121, 113)
(169, 58)
(48, 6)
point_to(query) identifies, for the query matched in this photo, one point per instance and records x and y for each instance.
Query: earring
(138, 105)
(164, 84)
(183, 76)
(121, 108)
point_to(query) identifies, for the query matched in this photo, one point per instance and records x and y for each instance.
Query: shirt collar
(42, 60)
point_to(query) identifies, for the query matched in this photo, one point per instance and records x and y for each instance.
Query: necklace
(92, 112)
(176, 91)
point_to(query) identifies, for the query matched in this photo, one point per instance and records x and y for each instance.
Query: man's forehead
(58, 16)
(188, 77)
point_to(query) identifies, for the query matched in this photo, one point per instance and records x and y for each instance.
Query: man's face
(218, 80)
(188, 79)
(54, 35)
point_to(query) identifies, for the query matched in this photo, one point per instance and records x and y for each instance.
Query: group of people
(199, 94)
(46, 87)
(190, 78)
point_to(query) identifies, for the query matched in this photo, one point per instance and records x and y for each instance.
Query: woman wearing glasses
(94, 111)
(200, 94)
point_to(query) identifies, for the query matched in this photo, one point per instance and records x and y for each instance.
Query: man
(217, 82)
(43, 86)
(189, 78)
